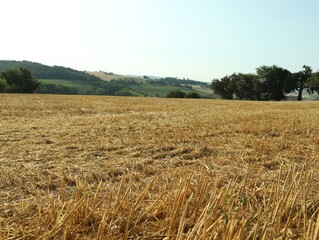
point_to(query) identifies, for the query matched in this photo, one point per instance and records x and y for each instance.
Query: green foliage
(68, 81)
(78, 84)
(176, 94)
(275, 82)
(152, 89)
(313, 82)
(41, 71)
(182, 83)
(192, 95)
(82, 87)
(49, 88)
(172, 81)
(124, 92)
(3, 85)
(300, 80)
(238, 85)
(223, 87)
(180, 94)
(20, 81)
(245, 86)
(157, 82)
(270, 83)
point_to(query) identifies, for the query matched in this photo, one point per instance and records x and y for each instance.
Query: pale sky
(196, 39)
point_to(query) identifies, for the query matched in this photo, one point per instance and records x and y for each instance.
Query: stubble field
(81, 167)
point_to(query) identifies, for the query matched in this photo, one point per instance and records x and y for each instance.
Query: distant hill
(41, 71)
(63, 80)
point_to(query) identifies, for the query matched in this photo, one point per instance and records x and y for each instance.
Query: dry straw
(79, 167)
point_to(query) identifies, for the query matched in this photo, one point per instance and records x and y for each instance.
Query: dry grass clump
(79, 167)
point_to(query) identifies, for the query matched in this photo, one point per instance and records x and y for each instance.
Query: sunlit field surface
(84, 167)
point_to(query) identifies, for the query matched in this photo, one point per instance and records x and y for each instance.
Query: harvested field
(108, 77)
(81, 167)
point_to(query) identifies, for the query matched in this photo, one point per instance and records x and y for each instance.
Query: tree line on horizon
(268, 83)
(22, 80)
(79, 82)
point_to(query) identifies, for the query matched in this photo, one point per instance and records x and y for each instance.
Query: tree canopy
(300, 80)
(313, 82)
(275, 82)
(268, 83)
(180, 94)
(223, 88)
(18, 81)
(176, 94)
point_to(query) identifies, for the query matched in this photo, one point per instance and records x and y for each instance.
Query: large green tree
(300, 80)
(275, 82)
(245, 86)
(239, 85)
(20, 81)
(223, 87)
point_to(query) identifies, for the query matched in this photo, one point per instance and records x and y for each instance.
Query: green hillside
(41, 71)
(161, 90)
(62, 80)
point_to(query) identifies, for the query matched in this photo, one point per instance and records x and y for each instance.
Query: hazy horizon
(198, 40)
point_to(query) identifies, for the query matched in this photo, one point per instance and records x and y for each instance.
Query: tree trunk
(299, 98)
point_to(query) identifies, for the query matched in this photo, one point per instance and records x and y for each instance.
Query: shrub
(176, 94)
(192, 95)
